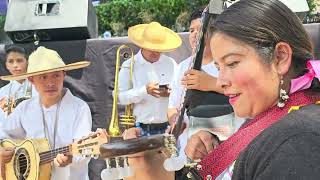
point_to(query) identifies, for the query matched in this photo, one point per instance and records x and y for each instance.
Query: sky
(3, 7)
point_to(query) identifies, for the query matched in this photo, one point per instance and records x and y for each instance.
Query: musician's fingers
(131, 133)
(190, 81)
(156, 93)
(6, 154)
(101, 132)
(62, 160)
(2, 171)
(193, 77)
(192, 86)
(5, 109)
(199, 155)
(6, 159)
(9, 149)
(208, 140)
(4, 106)
(190, 72)
(58, 161)
(2, 103)
(153, 86)
(3, 100)
(186, 77)
(186, 73)
(195, 148)
(183, 82)
(194, 154)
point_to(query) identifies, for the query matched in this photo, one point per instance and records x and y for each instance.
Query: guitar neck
(48, 156)
(87, 146)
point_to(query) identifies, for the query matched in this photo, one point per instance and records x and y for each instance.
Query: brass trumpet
(118, 167)
(127, 119)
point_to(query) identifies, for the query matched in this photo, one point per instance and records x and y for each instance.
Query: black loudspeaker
(50, 20)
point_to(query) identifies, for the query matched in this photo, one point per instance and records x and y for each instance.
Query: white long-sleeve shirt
(177, 93)
(13, 89)
(73, 122)
(147, 109)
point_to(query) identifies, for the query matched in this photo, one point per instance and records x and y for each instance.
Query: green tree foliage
(126, 13)
(312, 6)
(2, 20)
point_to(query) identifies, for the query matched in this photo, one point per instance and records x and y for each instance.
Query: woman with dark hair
(266, 68)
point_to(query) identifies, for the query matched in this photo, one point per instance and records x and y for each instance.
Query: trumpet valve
(127, 120)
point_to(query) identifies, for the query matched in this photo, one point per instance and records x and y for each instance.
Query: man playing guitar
(56, 114)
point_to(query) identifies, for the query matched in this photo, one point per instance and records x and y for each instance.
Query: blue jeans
(152, 129)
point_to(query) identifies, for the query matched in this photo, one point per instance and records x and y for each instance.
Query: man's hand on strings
(198, 80)
(153, 89)
(62, 160)
(102, 133)
(200, 145)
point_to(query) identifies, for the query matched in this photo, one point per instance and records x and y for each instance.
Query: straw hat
(154, 37)
(43, 61)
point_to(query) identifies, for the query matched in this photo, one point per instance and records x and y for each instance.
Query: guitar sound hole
(22, 164)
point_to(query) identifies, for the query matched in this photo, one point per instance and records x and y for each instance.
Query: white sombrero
(43, 61)
(154, 37)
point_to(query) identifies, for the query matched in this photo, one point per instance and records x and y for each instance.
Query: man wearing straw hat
(56, 114)
(151, 71)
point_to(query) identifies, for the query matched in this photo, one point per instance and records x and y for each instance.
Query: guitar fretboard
(48, 156)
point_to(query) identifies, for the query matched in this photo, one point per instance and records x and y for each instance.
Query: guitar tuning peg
(118, 161)
(174, 163)
(109, 174)
(94, 156)
(125, 162)
(87, 151)
(128, 171)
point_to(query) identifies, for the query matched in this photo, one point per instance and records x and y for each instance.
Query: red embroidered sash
(227, 152)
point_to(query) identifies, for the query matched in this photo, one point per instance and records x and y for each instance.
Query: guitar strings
(44, 161)
(46, 157)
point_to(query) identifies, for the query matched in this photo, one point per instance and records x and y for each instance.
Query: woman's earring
(283, 96)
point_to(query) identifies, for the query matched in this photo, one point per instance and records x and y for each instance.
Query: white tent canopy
(294, 5)
(297, 5)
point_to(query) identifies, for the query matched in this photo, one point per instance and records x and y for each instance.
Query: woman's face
(16, 63)
(251, 84)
